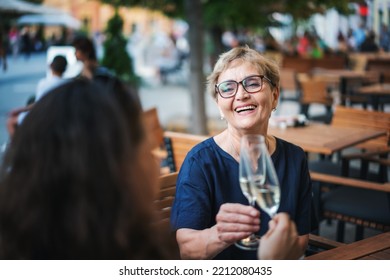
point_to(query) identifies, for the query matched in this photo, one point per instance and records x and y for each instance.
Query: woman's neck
(233, 141)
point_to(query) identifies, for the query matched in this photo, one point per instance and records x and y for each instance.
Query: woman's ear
(275, 95)
(221, 113)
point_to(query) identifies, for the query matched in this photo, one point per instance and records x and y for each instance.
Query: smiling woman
(210, 213)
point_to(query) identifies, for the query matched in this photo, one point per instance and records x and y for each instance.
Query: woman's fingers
(236, 221)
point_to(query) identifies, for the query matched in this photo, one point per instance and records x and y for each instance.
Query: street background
(19, 82)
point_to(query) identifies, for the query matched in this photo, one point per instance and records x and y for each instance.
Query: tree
(116, 57)
(193, 10)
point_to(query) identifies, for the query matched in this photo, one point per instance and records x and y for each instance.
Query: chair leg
(364, 170)
(340, 231)
(305, 109)
(359, 232)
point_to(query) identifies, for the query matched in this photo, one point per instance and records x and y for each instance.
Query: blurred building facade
(95, 15)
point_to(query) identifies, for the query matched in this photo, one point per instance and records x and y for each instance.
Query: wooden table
(373, 248)
(324, 139)
(374, 92)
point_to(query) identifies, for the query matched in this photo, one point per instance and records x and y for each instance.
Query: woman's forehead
(238, 68)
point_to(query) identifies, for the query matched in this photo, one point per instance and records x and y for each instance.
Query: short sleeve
(192, 206)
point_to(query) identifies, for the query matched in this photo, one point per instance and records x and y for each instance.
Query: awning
(22, 7)
(50, 19)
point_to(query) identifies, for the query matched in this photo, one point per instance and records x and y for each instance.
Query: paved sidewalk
(17, 84)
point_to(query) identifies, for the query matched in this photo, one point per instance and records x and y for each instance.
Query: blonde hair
(264, 66)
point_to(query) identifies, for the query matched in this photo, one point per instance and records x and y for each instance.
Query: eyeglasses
(251, 84)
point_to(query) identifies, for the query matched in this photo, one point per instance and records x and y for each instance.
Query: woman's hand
(280, 241)
(236, 221)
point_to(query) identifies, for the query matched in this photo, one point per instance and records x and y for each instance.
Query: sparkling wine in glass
(246, 160)
(265, 183)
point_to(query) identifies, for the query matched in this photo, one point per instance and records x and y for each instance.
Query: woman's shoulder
(283, 146)
(203, 147)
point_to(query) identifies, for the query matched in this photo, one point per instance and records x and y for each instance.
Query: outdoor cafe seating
(357, 201)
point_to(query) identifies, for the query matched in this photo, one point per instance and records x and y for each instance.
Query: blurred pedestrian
(86, 53)
(14, 41)
(342, 44)
(54, 79)
(369, 44)
(384, 38)
(3, 48)
(26, 42)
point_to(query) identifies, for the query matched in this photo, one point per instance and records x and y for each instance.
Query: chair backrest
(178, 145)
(288, 79)
(299, 64)
(165, 198)
(378, 64)
(154, 131)
(354, 117)
(315, 91)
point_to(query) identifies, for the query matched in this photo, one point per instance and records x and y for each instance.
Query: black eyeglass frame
(262, 77)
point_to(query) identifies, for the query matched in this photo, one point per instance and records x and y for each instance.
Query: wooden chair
(299, 64)
(363, 203)
(154, 131)
(315, 91)
(163, 206)
(374, 151)
(319, 244)
(155, 136)
(353, 117)
(368, 150)
(289, 89)
(166, 197)
(330, 62)
(178, 145)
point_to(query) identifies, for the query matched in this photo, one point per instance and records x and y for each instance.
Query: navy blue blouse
(208, 178)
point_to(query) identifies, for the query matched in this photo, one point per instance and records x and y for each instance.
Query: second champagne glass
(264, 182)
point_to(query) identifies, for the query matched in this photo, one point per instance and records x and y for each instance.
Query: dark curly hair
(85, 45)
(77, 181)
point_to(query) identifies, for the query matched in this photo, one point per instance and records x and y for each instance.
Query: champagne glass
(248, 142)
(264, 181)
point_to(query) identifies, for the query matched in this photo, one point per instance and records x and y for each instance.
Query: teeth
(250, 107)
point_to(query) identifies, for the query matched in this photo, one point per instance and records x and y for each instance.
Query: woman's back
(69, 184)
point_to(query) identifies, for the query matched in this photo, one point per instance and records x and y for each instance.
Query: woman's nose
(241, 92)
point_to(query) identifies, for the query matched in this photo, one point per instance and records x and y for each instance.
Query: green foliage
(116, 57)
(305, 9)
(233, 13)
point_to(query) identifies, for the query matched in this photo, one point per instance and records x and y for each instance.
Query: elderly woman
(210, 212)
